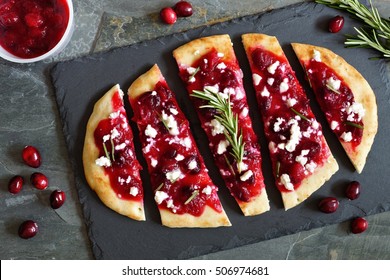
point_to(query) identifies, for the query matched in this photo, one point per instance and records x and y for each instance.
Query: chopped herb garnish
(299, 114)
(332, 89)
(193, 195)
(159, 187)
(277, 169)
(106, 152)
(112, 149)
(354, 125)
(193, 74)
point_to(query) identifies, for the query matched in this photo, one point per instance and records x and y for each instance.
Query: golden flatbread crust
(94, 174)
(209, 218)
(188, 54)
(362, 92)
(322, 173)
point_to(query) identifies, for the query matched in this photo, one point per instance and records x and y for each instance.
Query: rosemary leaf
(332, 89)
(106, 152)
(193, 195)
(354, 125)
(159, 187)
(299, 114)
(112, 149)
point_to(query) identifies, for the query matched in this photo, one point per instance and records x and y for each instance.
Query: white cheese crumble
(150, 131)
(217, 127)
(221, 66)
(106, 138)
(311, 166)
(244, 177)
(154, 93)
(179, 157)
(192, 164)
(270, 81)
(265, 92)
(207, 190)
(239, 94)
(220, 55)
(114, 115)
(103, 161)
(160, 196)
(170, 203)
(120, 147)
(295, 136)
(334, 125)
(186, 142)
(244, 112)
(256, 79)
(277, 124)
(171, 123)
(286, 181)
(128, 180)
(283, 87)
(222, 145)
(153, 162)
(173, 175)
(302, 159)
(355, 109)
(213, 89)
(291, 102)
(272, 147)
(133, 191)
(317, 55)
(333, 83)
(242, 166)
(346, 136)
(114, 133)
(191, 70)
(272, 68)
(173, 111)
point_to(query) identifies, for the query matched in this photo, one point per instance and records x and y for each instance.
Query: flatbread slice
(110, 166)
(301, 159)
(209, 68)
(345, 97)
(184, 192)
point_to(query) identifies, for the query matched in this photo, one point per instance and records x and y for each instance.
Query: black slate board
(80, 82)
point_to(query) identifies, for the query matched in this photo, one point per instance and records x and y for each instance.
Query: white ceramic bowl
(57, 48)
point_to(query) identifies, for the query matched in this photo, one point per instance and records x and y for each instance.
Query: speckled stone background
(29, 116)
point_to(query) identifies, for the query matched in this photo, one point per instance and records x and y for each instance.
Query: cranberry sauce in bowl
(32, 30)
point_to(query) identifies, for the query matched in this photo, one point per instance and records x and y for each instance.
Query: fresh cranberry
(39, 180)
(33, 20)
(336, 24)
(9, 19)
(28, 229)
(359, 225)
(57, 199)
(328, 205)
(15, 184)
(31, 156)
(353, 190)
(183, 9)
(168, 15)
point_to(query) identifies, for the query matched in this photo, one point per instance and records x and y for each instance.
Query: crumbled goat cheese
(160, 196)
(114, 115)
(265, 92)
(256, 79)
(317, 55)
(179, 157)
(302, 159)
(244, 112)
(133, 191)
(277, 124)
(246, 175)
(173, 111)
(270, 81)
(283, 87)
(221, 66)
(291, 102)
(346, 136)
(222, 145)
(207, 190)
(333, 83)
(120, 147)
(150, 131)
(171, 123)
(272, 68)
(334, 125)
(355, 109)
(217, 127)
(153, 162)
(286, 181)
(173, 175)
(103, 161)
(114, 133)
(295, 136)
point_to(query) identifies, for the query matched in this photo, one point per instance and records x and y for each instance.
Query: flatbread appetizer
(183, 190)
(345, 97)
(110, 166)
(210, 71)
(301, 159)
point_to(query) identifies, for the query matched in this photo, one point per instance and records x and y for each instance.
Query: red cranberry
(328, 205)
(168, 15)
(39, 180)
(183, 9)
(15, 184)
(336, 24)
(57, 199)
(359, 225)
(9, 19)
(33, 20)
(31, 156)
(28, 229)
(353, 190)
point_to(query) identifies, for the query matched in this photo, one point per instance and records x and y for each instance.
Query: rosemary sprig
(299, 114)
(106, 152)
(375, 34)
(332, 89)
(190, 78)
(228, 119)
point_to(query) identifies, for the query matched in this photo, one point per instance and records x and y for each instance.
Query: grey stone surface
(28, 116)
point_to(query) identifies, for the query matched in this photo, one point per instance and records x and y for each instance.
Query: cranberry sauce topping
(295, 138)
(114, 138)
(337, 101)
(177, 170)
(33, 27)
(211, 72)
